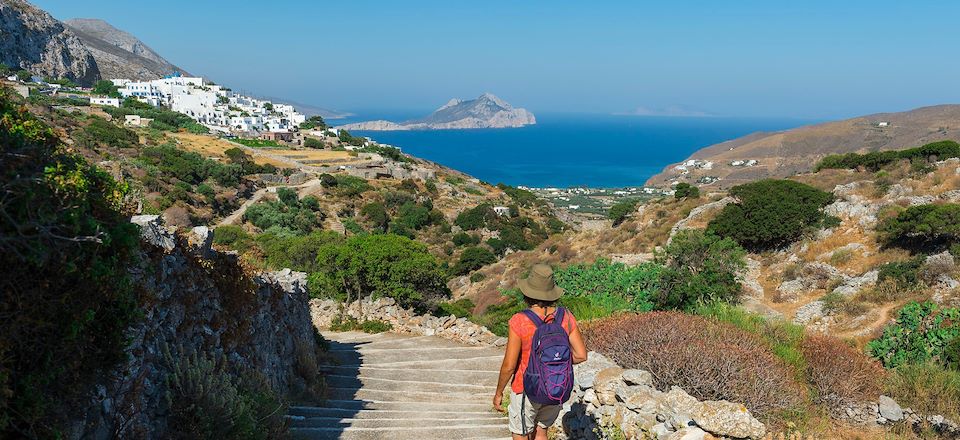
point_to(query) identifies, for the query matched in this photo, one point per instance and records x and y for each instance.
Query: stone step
(414, 384)
(479, 363)
(400, 405)
(409, 342)
(488, 377)
(402, 396)
(376, 357)
(426, 420)
(469, 432)
(448, 413)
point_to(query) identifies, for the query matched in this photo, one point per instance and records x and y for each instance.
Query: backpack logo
(548, 379)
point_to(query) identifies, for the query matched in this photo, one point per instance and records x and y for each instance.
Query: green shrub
(922, 224)
(65, 250)
(463, 239)
(313, 143)
(164, 119)
(472, 259)
(610, 287)
(379, 266)
(205, 401)
(190, 167)
(921, 333)
(475, 218)
(351, 186)
(233, 237)
(699, 268)
(288, 212)
(905, 274)
(873, 161)
(951, 354)
(477, 277)
(349, 323)
(522, 197)
(391, 153)
(461, 308)
(376, 215)
(293, 251)
(496, 317)
(770, 213)
(621, 210)
(685, 190)
(328, 181)
(102, 132)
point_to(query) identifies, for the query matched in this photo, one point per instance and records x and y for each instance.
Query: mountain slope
(118, 53)
(487, 111)
(33, 40)
(782, 154)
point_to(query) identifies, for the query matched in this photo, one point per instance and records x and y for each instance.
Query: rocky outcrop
(32, 40)
(324, 312)
(119, 54)
(487, 111)
(608, 398)
(197, 300)
(698, 214)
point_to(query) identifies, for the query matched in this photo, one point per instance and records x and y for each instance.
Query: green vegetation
(349, 139)
(923, 225)
(102, 132)
(289, 212)
(310, 142)
(921, 334)
(65, 250)
(517, 233)
(163, 119)
(351, 186)
(190, 167)
(472, 259)
(349, 323)
(699, 268)
(258, 143)
(685, 190)
(521, 197)
(240, 157)
(464, 239)
(313, 122)
(905, 274)
(875, 160)
(207, 401)
(461, 308)
(388, 152)
(771, 213)
(604, 288)
(378, 265)
(106, 88)
(926, 388)
(621, 210)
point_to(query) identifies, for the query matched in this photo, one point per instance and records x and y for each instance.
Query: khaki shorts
(534, 414)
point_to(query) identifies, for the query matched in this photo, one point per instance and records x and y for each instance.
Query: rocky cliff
(197, 301)
(786, 153)
(487, 111)
(33, 40)
(119, 54)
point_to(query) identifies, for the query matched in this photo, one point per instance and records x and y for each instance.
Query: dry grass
(210, 146)
(840, 374)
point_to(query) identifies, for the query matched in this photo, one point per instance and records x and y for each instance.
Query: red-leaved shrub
(840, 374)
(708, 359)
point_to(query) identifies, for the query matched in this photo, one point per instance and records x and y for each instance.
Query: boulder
(585, 372)
(637, 377)
(890, 410)
(607, 384)
(691, 433)
(153, 232)
(728, 419)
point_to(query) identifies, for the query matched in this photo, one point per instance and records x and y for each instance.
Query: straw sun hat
(540, 284)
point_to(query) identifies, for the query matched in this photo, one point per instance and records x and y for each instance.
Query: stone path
(392, 386)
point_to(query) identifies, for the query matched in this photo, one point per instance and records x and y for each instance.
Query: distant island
(487, 111)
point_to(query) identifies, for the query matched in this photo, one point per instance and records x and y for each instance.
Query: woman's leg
(539, 434)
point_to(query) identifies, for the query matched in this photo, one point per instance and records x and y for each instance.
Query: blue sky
(810, 59)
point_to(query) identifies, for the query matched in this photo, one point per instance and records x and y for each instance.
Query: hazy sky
(812, 59)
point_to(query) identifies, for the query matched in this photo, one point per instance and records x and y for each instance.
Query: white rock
(890, 410)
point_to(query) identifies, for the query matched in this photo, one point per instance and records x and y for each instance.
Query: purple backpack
(549, 376)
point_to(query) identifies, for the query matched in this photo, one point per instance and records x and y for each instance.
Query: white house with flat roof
(104, 101)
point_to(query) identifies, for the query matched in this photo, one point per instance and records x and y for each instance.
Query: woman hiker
(529, 420)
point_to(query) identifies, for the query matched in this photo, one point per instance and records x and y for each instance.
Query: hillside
(783, 154)
(487, 111)
(31, 39)
(120, 54)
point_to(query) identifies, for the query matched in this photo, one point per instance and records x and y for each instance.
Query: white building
(109, 102)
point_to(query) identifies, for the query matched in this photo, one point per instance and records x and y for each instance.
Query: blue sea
(566, 150)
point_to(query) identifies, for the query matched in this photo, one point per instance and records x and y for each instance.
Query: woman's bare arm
(511, 358)
(577, 346)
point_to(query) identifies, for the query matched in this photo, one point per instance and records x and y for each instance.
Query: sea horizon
(565, 150)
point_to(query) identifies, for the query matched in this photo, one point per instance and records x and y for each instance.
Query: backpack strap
(533, 317)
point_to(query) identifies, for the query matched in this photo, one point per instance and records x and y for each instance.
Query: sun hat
(540, 285)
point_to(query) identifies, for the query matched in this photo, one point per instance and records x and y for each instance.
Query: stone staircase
(393, 386)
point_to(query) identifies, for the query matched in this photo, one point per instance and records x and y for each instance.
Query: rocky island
(487, 111)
